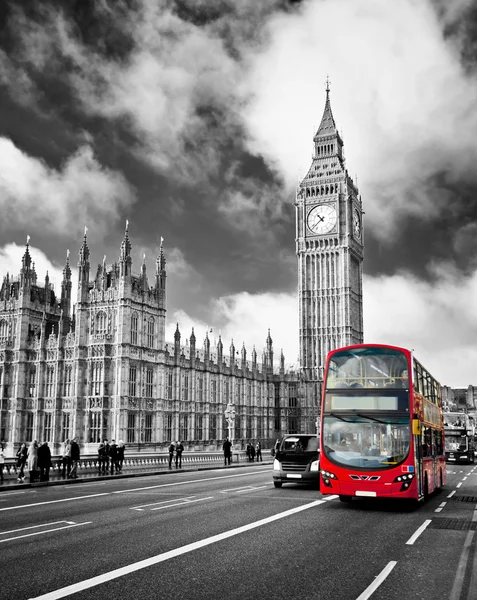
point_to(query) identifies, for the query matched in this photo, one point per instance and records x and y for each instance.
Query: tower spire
(125, 260)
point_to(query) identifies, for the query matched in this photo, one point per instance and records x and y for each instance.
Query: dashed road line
(378, 581)
(418, 532)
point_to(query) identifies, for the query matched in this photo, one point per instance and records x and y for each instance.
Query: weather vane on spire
(85, 230)
(328, 84)
(28, 239)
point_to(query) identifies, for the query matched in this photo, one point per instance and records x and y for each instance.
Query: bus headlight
(277, 465)
(405, 479)
(326, 476)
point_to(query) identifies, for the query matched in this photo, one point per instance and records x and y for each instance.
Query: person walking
(121, 449)
(66, 458)
(32, 458)
(75, 457)
(44, 461)
(113, 456)
(2, 463)
(179, 451)
(252, 453)
(101, 453)
(21, 461)
(171, 454)
(227, 448)
(247, 450)
(106, 452)
(258, 450)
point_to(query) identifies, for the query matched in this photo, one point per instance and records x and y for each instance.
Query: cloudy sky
(194, 119)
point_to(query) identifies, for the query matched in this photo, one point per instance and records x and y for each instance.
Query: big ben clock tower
(330, 250)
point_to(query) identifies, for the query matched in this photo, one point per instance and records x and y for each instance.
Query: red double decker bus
(382, 431)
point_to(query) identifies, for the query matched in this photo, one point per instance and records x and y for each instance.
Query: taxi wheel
(277, 484)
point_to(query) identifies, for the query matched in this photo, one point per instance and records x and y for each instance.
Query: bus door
(416, 430)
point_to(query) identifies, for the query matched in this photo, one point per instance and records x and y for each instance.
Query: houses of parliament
(94, 363)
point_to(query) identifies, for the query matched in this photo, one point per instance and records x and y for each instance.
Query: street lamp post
(230, 418)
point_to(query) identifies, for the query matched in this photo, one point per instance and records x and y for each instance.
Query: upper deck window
(368, 367)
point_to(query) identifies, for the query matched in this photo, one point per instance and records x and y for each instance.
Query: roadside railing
(131, 462)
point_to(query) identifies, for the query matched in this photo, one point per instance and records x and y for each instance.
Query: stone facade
(105, 370)
(330, 249)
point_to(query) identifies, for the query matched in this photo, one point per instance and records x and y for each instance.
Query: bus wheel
(344, 498)
(277, 483)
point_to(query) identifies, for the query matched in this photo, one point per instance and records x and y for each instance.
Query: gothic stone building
(105, 371)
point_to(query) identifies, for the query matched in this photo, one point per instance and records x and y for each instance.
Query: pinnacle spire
(327, 125)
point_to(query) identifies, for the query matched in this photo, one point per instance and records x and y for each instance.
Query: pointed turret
(144, 282)
(206, 346)
(177, 343)
(161, 276)
(243, 355)
(192, 348)
(65, 301)
(83, 269)
(26, 270)
(254, 359)
(125, 260)
(47, 289)
(220, 352)
(269, 351)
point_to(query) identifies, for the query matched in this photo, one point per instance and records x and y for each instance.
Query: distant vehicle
(382, 430)
(459, 437)
(296, 460)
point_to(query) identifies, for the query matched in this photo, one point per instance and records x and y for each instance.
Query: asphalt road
(229, 534)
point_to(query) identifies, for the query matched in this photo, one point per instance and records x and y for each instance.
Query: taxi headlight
(277, 465)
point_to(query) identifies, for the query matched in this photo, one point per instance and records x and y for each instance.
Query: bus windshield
(371, 442)
(368, 367)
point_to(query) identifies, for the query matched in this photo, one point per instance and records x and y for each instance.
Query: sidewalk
(138, 467)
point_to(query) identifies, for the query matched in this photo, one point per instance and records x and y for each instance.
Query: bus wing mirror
(416, 427)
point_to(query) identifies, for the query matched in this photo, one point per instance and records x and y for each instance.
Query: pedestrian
(2, 463)
(227, 448)
(258, 451)
(171, 454)
(252, 453)
(179, 451)
(32, 457)
(44, 461)
(106, 452)
(75, 457)
(21, 461)
(66, 458)
(247, 450)
(113, 456)
(121, 449)
(101, 453)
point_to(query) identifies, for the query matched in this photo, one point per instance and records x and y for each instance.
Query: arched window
(150, 333)
(101, 322)
(134, 328)
(3, 328)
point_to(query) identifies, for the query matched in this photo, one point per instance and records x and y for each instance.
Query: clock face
(356, 223)
(322, 219)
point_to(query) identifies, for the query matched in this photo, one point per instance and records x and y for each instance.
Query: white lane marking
(451, 494)
(185, 503)
(458, 485)
(332, 497)
(35, 527)
(18, 537)
(143, 506)
(10, 494)
(53, 501)
(441, 506)
(152, 487)
(461, 568)
(163, 485)
(378, 581)
(418, 532)
(464, 478)
(154, 560)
